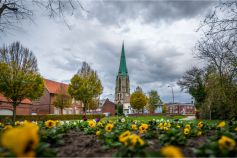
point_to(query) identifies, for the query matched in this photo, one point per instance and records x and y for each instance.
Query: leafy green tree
(93, 104)
(221, 99)
(85, 85)
(164, 109)
(153, 101)
(19, 77)
(62, 99)
(138, 100)
(119, 109)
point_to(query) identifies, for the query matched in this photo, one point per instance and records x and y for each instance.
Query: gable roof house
(44, 105)
(109, 107)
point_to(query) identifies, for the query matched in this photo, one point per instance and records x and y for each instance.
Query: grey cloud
(70, 63)
(145, 68)
(118, 12)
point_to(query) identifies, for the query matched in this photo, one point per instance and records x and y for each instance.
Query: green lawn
(142, 118)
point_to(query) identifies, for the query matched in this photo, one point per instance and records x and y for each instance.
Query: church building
(122, 89)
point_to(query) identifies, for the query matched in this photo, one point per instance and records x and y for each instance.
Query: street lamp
(172, 93)
(106, 96)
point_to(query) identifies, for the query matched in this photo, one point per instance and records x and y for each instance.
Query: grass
(142, 118)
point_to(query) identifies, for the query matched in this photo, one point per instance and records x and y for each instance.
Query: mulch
(78, 144)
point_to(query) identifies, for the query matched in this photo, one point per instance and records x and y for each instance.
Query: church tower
(122, 90)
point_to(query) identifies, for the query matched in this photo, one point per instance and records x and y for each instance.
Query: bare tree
(218, 50)
(223, 18)
(12, 12)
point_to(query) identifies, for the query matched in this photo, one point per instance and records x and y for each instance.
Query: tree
(93, 103)
(119, 109)
(138, 100)
(220, 102)
(220, 52)
(164, 109)
(85, 85)
(62, 99)
(153, 101)
(19, 77)
(222, 19)
(12, 12)
(193, 82)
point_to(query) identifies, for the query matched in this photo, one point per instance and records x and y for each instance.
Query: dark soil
(77, 144)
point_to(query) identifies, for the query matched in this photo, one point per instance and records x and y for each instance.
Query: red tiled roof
(4, 99)
(55, 87)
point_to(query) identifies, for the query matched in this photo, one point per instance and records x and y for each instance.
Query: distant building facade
(6, 108)
(109, 107)
(44, 105)
(181, 109)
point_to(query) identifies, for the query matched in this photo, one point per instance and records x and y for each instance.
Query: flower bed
(121, 138)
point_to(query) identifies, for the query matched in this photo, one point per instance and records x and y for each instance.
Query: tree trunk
(61, 111)
(14, 114)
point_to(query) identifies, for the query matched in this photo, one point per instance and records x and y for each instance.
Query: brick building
(181, 109)
(44, 105)
(109, 107)
(22, 109)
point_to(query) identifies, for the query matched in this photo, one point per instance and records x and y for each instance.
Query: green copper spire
(123, 67)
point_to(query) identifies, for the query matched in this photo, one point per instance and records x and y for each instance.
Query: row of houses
(44, 105)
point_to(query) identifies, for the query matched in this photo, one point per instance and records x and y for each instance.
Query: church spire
(123, 67)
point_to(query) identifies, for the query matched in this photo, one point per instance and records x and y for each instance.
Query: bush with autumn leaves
(131, 138)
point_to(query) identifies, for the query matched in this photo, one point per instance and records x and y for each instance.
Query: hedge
(7, 119)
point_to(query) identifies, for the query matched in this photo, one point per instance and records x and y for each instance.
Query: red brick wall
(42, 106)
(22, 109)
(109, 107)
(178, 109)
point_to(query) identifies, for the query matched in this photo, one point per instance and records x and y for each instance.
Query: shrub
(7, 119)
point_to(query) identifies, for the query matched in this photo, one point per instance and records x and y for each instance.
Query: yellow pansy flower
(100, 124)
(50, 123)
(200, 125)
(1, 124)
(199, 133)
(92, 123)
(143, 128)
(186, 131)
(97, 133)
(22, 140)
(57, 122)
(123, 137)
(221, 124)
(226, 143)
(188, 126)
(134, 127)
(134, 140)
(109, 127)
(171, 152)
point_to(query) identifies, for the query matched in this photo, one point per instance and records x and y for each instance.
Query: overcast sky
(159, 39)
